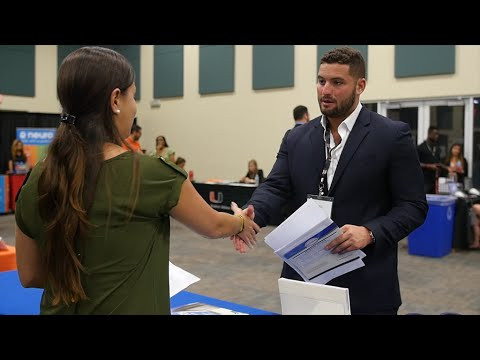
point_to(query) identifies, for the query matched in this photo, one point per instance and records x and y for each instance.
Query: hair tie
(68, 119)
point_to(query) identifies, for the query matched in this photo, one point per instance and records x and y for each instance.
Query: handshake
(247, 236)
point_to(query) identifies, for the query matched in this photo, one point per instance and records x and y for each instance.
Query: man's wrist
(372, 237)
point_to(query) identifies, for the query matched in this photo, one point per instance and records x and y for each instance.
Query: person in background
(456, 164)
(475, 220)
(254, 174)
(429, 156)
(18, 163)
(163, 150)
(93, 219)
(180, 162)
(300, 115)
(132, 139)
(367, 165)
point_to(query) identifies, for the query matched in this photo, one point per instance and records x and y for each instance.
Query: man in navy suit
(300, 115)
(372, 173)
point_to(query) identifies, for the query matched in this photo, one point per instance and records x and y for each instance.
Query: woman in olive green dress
(93, 224)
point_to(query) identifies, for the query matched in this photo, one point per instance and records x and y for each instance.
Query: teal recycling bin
(435, 237)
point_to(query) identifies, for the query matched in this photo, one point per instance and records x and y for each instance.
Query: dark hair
(299, 112)
(66, 187)
(135, 128)
(432, 128)
(460, 156)
(180, 160)
(161, 137)
(346, 56)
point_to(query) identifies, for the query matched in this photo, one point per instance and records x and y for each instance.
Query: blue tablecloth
(16, 300)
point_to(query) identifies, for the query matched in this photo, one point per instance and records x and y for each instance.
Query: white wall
(219, 133)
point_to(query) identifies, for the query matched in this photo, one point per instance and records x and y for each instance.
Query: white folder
(306, 298)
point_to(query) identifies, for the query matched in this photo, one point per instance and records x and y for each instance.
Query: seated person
(180, 162)
(132, 139)
(18, 163)
(254, 174)
(456, 164)
(476, 227)
(163, 150)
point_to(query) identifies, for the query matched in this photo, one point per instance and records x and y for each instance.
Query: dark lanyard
(323, 187)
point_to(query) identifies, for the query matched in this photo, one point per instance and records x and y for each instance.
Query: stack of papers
(199, 308)
(300, 241)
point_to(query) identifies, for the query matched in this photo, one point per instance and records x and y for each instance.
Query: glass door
(476, 143)
(408, 112)
(450, 121)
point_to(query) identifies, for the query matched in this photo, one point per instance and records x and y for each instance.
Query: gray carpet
(428, 285)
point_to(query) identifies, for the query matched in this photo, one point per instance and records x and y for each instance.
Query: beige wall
(382, 84)
(45, 100)
(218, 134)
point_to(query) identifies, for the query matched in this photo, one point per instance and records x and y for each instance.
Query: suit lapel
(318, 146)
(358, 133)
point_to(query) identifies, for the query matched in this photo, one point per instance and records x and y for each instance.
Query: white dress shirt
(344, 130)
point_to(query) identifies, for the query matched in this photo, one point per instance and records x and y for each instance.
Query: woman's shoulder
(159, 166)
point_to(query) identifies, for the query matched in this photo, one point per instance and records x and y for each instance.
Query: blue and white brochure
(301, 239)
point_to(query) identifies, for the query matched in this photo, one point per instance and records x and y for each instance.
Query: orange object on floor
(8, 259)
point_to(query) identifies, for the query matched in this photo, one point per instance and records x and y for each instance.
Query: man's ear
(361, 84)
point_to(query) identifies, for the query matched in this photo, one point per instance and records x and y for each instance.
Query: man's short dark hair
(346, 56)
(299, 112)
(135, 128)
(432, 128)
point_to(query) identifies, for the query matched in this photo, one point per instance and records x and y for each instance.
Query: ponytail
(63, 208)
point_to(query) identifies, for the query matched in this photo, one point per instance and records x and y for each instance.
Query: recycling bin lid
(442, 200)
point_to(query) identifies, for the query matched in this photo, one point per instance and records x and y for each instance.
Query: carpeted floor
(428, 285)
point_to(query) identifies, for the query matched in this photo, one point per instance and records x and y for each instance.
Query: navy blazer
(378, 184)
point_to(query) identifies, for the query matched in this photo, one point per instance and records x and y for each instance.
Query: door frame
(424, 119)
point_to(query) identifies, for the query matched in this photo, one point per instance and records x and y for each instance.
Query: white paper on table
(306, 298)
(179, 279)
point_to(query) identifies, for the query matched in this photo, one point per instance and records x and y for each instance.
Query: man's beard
(342, 109)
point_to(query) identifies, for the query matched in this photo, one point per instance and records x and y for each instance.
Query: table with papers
(17, 300)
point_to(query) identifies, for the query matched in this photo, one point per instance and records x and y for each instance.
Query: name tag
(325, 202)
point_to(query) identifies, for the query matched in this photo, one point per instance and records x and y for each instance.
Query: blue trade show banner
(35, 141)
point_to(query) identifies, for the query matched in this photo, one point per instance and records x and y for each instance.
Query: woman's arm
(194, 212)
(10, 166)
(29, 261)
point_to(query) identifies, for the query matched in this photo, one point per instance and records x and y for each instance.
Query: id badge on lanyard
(325, 202)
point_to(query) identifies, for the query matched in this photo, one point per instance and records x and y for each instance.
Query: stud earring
(118, 110)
